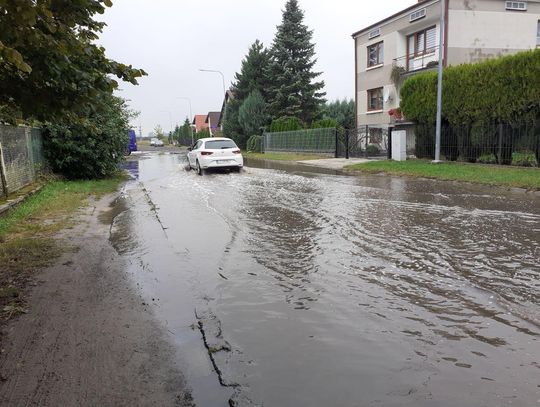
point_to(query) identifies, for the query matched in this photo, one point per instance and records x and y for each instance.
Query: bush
(285, 124)
(324, 124)
(254, 144)
(524, 159)
(89, 146)
(372, 149)
(487, 158)
(500, 90)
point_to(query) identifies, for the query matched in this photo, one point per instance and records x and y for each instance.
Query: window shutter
(431, 38)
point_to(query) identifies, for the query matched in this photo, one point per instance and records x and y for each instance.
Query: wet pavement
(290, 286)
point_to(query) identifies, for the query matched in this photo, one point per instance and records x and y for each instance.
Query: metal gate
(364, 141)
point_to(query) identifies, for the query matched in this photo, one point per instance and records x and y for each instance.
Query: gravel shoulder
(88, 338)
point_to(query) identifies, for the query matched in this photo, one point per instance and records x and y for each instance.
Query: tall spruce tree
(292, 89)
(250, 78)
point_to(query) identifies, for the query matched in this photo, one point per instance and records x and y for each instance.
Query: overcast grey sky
(172, 39)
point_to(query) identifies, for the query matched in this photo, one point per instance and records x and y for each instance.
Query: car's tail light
(236, 151)
(206, 153)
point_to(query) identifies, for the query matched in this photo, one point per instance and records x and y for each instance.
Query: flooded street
(322, 289)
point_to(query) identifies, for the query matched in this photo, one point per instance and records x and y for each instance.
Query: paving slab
(335, 163)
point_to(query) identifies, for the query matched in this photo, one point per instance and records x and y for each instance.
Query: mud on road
(89, 338)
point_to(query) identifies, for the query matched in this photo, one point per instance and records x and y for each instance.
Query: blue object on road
(132, 146)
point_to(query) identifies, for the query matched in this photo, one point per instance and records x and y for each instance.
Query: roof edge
(384, 20)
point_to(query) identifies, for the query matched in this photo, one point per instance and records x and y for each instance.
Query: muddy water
(331, 290)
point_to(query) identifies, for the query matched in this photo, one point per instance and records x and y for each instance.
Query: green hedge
(254, 144)
(501, 90)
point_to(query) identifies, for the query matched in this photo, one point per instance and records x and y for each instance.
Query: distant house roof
(212, 119)
(199, 120)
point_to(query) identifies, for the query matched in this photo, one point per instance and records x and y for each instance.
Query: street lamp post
(223, 80)
(439, 85)
(190, 116)
(170, 118)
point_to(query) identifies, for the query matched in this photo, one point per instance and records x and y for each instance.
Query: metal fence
(360, 142)
(488, 144)
(301, 141)
(21, 157)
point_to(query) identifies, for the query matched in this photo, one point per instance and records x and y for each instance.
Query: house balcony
(414, 63)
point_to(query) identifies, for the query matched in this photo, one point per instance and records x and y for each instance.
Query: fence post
(3, 172)
(347, 147)
(499, 155)
(337, 142)
(389, 144)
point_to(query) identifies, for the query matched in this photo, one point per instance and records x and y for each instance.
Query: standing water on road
(332, 290)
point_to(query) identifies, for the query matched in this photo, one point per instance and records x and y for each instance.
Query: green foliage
(252, 115)
(50, 63)
(53, 71)
(203, 133)
(252, 73)
(324, 124)
(254, 144)
(372, 149)
(487, 158)
(341, 111)
(285, 124)
(158, 132)
(89, 146)
(501, 90)
(524, 159)
(491, 175)
(250, 78)
(292, 90)
(231, 125)
(183, 133)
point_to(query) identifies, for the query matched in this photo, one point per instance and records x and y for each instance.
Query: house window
(422, 42)
(538, 35)
(516, 5)
(375, 54)
(375, 99)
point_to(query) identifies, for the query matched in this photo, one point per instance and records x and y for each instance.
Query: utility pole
(439, 85)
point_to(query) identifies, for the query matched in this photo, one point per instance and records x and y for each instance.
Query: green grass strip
(528, 178)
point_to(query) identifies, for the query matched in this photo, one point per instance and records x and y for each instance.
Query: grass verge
(528, 178)
(27, 241)
(284, 156)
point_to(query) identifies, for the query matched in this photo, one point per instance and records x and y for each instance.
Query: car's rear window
(219, 144)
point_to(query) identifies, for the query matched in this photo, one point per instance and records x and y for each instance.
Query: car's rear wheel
(199, 169)
(188, 166)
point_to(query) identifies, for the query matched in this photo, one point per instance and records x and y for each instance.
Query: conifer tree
(292, 89)
(250, 78)
(252, 115)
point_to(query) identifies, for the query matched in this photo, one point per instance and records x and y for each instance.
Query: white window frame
(379, 47)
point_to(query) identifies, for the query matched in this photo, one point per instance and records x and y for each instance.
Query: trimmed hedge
(501, 90)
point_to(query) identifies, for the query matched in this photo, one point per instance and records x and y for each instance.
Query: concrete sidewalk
(334, 163)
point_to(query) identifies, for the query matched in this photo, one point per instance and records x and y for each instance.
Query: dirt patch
(87, 338)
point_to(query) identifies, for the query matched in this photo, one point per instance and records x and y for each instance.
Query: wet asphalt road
(316, 289)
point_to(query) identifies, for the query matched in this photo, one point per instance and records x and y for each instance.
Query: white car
(155, 142)
(215, 152)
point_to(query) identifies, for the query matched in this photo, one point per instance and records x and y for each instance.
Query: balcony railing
(416, 62)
